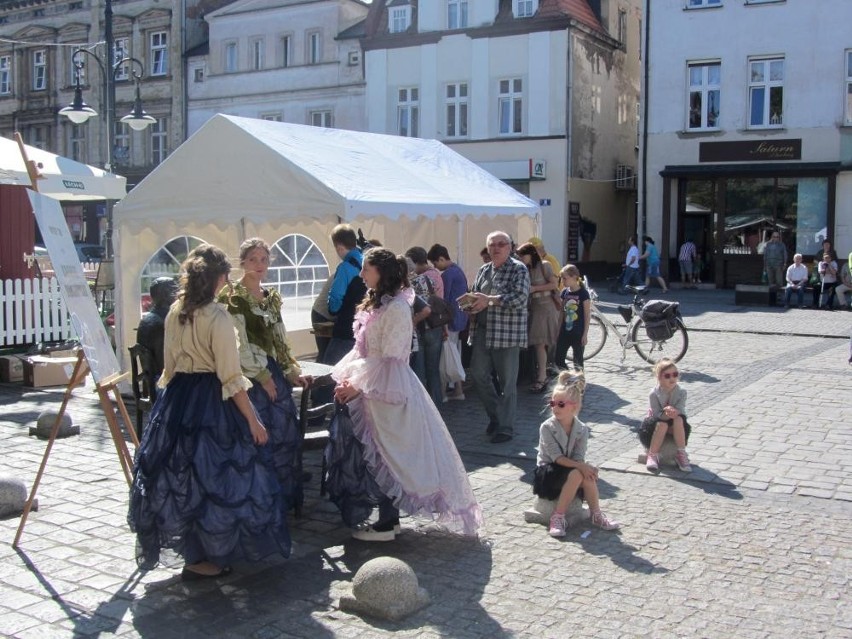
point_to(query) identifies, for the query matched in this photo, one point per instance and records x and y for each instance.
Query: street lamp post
(79, 112)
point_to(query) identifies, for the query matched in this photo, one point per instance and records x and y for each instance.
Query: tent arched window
(167, 260)
(298, 268)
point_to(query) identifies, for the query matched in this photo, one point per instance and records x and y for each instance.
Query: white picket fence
(32, 311)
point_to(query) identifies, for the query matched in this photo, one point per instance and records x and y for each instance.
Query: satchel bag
(442, 313)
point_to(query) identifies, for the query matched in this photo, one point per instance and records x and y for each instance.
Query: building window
(399, 19)
(77, 142)
(257, 54)
(198, 74)
(297, 267)
(159, 53)
(75, 71)
(38, 137)
(39, 70)
(314, 48)
(121, 146)
(510, 104)
(321, 118)
(286, 51)
(456, 14)
(524, 8)
(622, 28)
(849, 87)
(766, 93)
(159, 141)
(121, 50)
(704, 95)
(695, 4)
(5, 74)
(408, 112)
(271, 117)
(456, 103)
(230, 64)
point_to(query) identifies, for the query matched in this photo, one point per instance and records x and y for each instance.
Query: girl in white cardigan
(562, 472)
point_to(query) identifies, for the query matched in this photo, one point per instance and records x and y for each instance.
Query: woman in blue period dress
(267, 360)
(393, 449)
(202, 489)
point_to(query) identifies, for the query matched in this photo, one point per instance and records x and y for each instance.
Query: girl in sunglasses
(562, 472)
(666, 415)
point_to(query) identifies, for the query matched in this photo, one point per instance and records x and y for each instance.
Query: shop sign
(750, 151)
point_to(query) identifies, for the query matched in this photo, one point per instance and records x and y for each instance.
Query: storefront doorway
(730, 217)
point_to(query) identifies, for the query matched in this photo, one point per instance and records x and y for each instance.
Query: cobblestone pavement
(755, 543)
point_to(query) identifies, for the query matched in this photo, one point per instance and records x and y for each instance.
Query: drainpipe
(643, 212)
(569, 97)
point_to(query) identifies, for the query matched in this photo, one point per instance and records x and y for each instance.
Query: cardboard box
(66, 353)
(40, 371)
(11, 368)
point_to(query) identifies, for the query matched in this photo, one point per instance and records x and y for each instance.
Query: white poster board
(75, 290)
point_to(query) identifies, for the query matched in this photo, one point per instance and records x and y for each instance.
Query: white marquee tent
(237, 178)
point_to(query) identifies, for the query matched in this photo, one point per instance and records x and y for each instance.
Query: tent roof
(64, 179)
(235, 167)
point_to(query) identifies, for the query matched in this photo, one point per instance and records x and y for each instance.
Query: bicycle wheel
(674, 348)
(596, 337)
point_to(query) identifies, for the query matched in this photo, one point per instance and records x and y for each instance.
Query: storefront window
(755, 207)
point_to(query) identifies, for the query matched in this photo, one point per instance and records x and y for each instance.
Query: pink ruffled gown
(394, 442)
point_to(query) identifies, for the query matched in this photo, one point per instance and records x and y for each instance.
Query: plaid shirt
(506, 325)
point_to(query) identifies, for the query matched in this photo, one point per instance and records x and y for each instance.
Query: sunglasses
(561, 404)
(670, 375)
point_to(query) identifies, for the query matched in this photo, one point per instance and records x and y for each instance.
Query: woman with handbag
(544, 316)
(388, 445)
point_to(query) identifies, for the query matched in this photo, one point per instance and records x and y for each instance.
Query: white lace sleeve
(395, 328)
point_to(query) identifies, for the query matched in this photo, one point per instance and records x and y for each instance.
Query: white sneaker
(653, 463)
(557, 526)
(368, 533)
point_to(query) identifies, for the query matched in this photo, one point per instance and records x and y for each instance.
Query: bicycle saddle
(639, 290)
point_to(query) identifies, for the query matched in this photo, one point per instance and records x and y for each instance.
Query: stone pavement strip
(756, 543)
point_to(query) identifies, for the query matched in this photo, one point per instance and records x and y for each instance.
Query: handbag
(442, 313)
(451, 364)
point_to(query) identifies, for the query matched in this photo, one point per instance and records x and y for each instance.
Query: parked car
(89, 252)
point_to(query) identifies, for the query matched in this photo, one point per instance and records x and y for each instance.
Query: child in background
(574, 330)
(562, 472)
(667, 403)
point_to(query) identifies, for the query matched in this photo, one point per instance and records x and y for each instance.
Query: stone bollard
(45, 424)
(13, 497)
(667, 453)
(543, 508)
(386, 588)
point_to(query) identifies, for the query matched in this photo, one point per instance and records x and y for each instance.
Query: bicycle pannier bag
(660, 319)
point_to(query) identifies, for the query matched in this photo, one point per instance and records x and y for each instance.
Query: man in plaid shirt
(498, 330)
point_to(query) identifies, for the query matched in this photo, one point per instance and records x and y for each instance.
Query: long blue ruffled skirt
(282, 423)
(201, 488)
(350, 485)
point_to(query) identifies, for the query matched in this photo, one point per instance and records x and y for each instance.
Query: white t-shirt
(633, 252)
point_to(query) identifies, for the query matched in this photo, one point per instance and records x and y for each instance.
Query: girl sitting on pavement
(667, 403)
(562, 472)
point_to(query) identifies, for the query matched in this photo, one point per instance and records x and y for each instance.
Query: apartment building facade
(542, 93)
(293, 61)
(748, 130)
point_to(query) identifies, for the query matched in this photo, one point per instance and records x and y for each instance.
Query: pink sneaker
(602, 521)
(557, 525)
(653, 463)
(682, 460)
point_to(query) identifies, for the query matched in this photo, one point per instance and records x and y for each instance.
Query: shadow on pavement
(291, 597)
(692, 376)
(610, 544)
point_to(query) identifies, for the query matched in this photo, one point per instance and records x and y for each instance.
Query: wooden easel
(81, 369)
(107, 385)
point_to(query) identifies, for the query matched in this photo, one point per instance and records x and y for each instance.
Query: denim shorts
(654, 270)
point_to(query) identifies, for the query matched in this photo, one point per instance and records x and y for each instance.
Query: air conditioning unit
(354, 58)
(625, 178)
